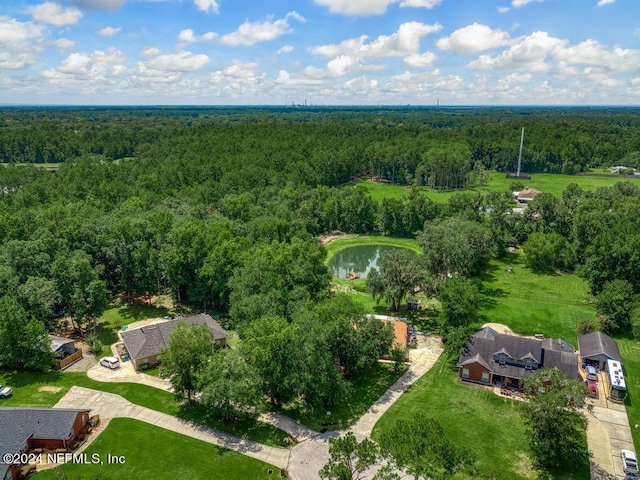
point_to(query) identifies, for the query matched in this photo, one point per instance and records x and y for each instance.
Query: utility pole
(520, 156)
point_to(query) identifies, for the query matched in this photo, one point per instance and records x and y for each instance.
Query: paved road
(307, 458)
(109, 405)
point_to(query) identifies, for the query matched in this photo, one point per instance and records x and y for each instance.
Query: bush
(516, 186)
(94, 343)
(586, 326)
(635, 323)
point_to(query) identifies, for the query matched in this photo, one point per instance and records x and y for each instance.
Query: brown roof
(529, 194)
(400, 330)
(598, 343)
(151, 339)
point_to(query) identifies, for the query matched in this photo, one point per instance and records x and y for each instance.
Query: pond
(360, 259)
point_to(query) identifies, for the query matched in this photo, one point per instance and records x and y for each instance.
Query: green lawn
(366, 391)
(489, 425)
(45, 389)
(545, 182)
(342, 243)
(153, 452)
(533, 303)
(630, 351)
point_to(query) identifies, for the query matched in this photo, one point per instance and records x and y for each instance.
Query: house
(596, 348)
(64, 351)
(145, 344)
(493, 358)
(25, 429)
(525, 196)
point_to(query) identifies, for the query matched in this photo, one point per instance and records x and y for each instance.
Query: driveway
(307, 458)
(126, 373)
(108, 405)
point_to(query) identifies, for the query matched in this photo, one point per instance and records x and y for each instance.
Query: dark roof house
(597, 347)
(495, 358)
(145, 344)
(22, 429)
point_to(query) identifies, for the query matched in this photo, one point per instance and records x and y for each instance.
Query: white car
(110, 362)
(629, 461)
(5, 391)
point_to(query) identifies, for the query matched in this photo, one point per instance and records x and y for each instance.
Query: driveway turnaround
(307, 458)
(108, 405)
(126, 373)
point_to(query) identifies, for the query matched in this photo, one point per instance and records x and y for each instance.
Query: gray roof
(57, 342)
(548, 353)
(151, 339)
(597, 343)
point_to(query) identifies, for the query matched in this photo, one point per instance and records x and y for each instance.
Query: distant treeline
(329, 146)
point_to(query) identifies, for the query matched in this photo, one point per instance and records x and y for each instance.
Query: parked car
(110, 362)
(592, 386)
(629, 461)
(5, 391)
(628, 476)
(592, 372)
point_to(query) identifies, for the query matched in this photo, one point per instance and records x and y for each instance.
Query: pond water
(360, 258)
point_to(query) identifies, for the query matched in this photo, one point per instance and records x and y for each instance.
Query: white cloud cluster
(473, 39)
(188, 36)
(250, 33)
(82, 67)
(364, 8)
(19, 42)
(207, 5)
(522, 3)
(53, 14)
(605, 2)
(182, 62)
(109, 31)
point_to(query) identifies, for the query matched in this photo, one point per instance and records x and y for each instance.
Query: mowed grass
(630, 351)
(46, 389)
(153, 452)
(533, 303)
(342, 243)
(366, 391)
(545, 182)
(489, 425)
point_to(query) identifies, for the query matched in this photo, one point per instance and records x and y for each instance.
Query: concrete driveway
(108, 405)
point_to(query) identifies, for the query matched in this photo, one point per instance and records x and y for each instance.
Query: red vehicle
(592, 386)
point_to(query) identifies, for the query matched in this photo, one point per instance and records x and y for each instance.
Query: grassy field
(533, 303)
(45, 389)
(489, 425)
(545, 182)
(365, 392)
(153, 452)
(630, 351)
(342, 243)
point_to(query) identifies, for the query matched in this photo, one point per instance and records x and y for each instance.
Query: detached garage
(596, 348)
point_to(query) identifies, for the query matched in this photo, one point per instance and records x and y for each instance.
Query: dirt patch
(50, 389)
(330, 237)
(499, 327)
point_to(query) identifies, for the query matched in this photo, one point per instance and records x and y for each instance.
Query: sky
(324, 52)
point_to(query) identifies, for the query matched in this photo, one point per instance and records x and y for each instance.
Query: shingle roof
(548, 353)
(57, 342)
(598, 343)
(529, 193)
(151, 339)
(17, 424)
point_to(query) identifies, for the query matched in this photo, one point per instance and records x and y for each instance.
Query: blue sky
(329, 52)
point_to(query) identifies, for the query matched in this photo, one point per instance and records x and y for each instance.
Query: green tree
(190, 348)
(399, 273)
(350, 459)
(546, 252)
(24, 343)
(421, 448)
(555, 419)
(39, 296)
(398, 357)
(616, 301)
(230, 386)
(460, 299)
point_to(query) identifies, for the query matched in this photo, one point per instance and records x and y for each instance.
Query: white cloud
(405, 41)
(356, 7)
(528, 54)
(605, 2)
(150, 52)
(474, 38)
(206, 5)
(503, 9)
(183, 61)
(592, 52)
(522, 3)
(250, 33)
(11, 30)
(63, 43)
(420, 3)
(109, 31)
(285, 49)
(187, 36)
(53, 14)
(97, 65)
(420, 61)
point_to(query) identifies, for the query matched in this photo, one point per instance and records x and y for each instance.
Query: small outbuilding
(64, 351)
(596, 348)
(413, 304)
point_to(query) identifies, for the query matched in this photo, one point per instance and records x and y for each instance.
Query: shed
(596, 348)
(61, 346)
(413, 304)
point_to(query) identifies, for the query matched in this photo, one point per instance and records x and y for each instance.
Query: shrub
(586, 326)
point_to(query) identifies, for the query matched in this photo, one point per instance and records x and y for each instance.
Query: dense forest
(220, 207)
